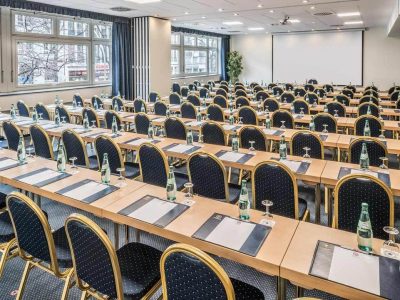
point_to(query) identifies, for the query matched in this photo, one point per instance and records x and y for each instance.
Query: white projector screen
(328, 57)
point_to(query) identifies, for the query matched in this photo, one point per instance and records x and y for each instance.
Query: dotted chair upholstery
(221, 101)
(248, 115)
(271, 104)
(309, 88)
(289, 87)
(395, 95)
(321, 93)
(261, 95)
(328, 88)
(174, 98)
(336, 107)
(63, 113)
(222, 92)
(42, 110)
(277, 90)
(41, 142)
(241, 102)
(343, 99)
(312, 98)
(240, 93)
(153, 97)
(184, 91)
(213, 133)
(12, 134)
(160, 108)
(376, 149)
(117, 102)
(322, 119)
(372, 93)
(371, 87)
(193, 99)
(203, 93)
(363, 109)
(301, 104)
(252, 133)
(188, 110)
(313, 81)
(351, 88)
(78, 100)
(23, 109)
(393, 89)
(175, 128)
(306, 138)
(215, 113)
(153, 166)
(98, 100)
(282, 115)
(75, 147)
(142, 123)
(349, 93)
(138, 104)
(374, 124)
(92, 116)
(287, 97)
(109, 117)
(300, 92)
(176, 88)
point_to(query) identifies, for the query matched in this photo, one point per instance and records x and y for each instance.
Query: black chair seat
(302, 208)
(132, 170)
(234, 192)
(180, 179)
(62, 248)
(2, 200)
(93, 163)
(140, 268)
(244, 291)
(6, 228)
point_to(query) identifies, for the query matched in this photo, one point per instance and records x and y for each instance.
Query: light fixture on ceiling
(220, 9)
(312, 7)
(271, 11)
(174, 19)
(294, 21)
(232, 23)
(203, 17)
(305, 1)
(353, 22)
(143, 1)
(255, 28)
(235, 14)
(260, 5)
(349, 14)
(186, 12)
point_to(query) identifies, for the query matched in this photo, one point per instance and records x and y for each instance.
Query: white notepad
(48, 125)
(354, 171)
(232, 156)
(269, 131)
(86, 190)
(229, 127)
(293, 165)
(354, 269)
(159, 120)
(7, 162)
(181, 148)
(40, 177)
(153, 210)
(194, 123)
(138, 142)
(231, 233)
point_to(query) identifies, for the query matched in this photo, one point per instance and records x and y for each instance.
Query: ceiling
(263, 14)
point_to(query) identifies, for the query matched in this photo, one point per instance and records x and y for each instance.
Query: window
(73, 28)
(30, 23)
(102, 31)
(193, 55)
(102, 62)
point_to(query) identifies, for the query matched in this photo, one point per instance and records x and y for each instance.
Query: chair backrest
(176, 88)
(188, 110)
(242, 101)
(117, 102)
(336, 107)
(309, 88)
(253, 85)
(142, 123)
(42, 110)
(138, 104)
(103, 276)
(193, 99)
(104, 144)
(109, 117)
(75, 147)
(211, 83)
(300, 104)
(221, 101)
(184, 91)
(192, 87)
(349, 93)
(257, 89)
(351, 88)
(224, 82)
(372, 93)
(63, 113)
(248, 115)
(371, 87)
(271, 104)
(376, 149)
(175, 128)
(311, 98)
(261, 95)
(98, 100)
(252, 133)
(239, 86)
(351, 191)
(277, 91)
(23, 109)
(271, 86)
(12, 134)
(208, 175)
(153, 165)
(174, 98)
(221, 91)
(313, 81)
(205, 86)
(203, 93)
(369, 99)
(322, 119)
(78, 100)
(343, 99)
(153, 97)
(92, 116)
(363, 109)
(299, 92)
(213, 133)
(328, 88)
(41, 142)
(274, 181)
(375, 125)
(189, 273)
(321, 93)
(241, 92)
(305, 138)
(287, 97)
(393, 89)
(224, 87)
(197, 83)
(215, 113)
(282, 115)
(289, 87)
(160, 108)
(395, 95)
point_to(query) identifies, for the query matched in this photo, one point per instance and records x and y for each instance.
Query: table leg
(318, 204)
(329, 205)
(299, 292)
(126, 234)
(116, 236)
(281, 286)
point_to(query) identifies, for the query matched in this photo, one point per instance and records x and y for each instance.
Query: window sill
(46, 90)
(195, 76)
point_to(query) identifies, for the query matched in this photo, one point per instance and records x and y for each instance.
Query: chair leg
(6, 256)
(67, 285)
(25, 275)
(85, 295)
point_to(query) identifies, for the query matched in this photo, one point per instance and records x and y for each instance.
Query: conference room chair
(192, 87)
(327, 119)
(252, 133)
(7, 236)
(154, 168)
(117, 103)
(239, 87)
(208, 176)
(343, 99)
(369, 99)
(240, 93)
(241, 102)
(224, 82)
(184, 91)
(321, 93)
(248, 115)
(253, 84)
(372, 93)
(239, 83)
(395, 95)
(222, 92)
(393, 89)
(223, 87)
(153, 97)
(375, 125)
(75, 147)
(92, 116)
(287, 97)
(41, 142)
(105, 144)
(312, 81)
(215, 113)
(311, 140)
(371, 87)
(354, 189)
(350, 87)
(175, 128)
(101, 271)
(271, 86)
(363, 109)
(63, 113)
(221, 101)
(301, 105)
(78, 100)
(289, 87)
(211, 83)
(188, 110)
(398, 104)
(261, 96)
(300, 92)
(197, 83)
(274, 181)
(376, 149)
(203, 93)
(42, 111)
(328, 88)
(280, 116)
(213, 133)
(138, 104)
(142, 122)
(257, 89)
(193, 99)
(175, 98)
(189, 273)
(23, 109)
(309, 88)
(336, 108)
(277, 91)
(206, 86)
(12, 133)
(109, 117)
(311, 98)
(349, 93)
(98, 100)
(39, 246)
(160, 108)
(176, 88)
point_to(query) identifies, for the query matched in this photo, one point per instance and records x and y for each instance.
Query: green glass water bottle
(235, 142)
(267, 121)
(95, 104)
(369, 110)
(13, 113)
(189, 137)
(57, 118)
(73, 102)
(199, 117)
(364, 230)
(86, 121)
(168, 112)
(21, 154)
(114, 126)
(231, 119)
(282, 148)
(171, 185)
(312, 124)
(61, 161)
(143, 108)
(105, 170)
(367, 129)
(150, 131)
(244, 202)
(34, 115)
(326, 108)
(364, 158)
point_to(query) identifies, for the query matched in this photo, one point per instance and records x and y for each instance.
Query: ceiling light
(305, 1)
(255, 28)
(312, 7)
(353, 22)
(294, 21)
(203, 17)
(349, 14)
(271, 11)
(174, 19)
(186, 12)
(235, 14)
(232, 23)
(143, 1)
(260, 6)
(220, 9)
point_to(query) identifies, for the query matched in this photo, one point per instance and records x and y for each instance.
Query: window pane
(213, 43)
(51, 63)
(213, 61)
(174, 62)
(202, 42)
(195, 61)
(102, 54)
(189, 40)
(33, 24)
(102, 31)
(72, 28)
(175, 39)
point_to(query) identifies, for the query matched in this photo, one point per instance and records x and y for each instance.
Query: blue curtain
(122, 60)
(225, 49)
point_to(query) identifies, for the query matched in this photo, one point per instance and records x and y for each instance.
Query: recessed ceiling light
(312, 22)
(260, 6)
(305, 1)
(353, 22)
(271, 11)
(255, 28)
(220, 9)
(186, 12)
(312, 29)
(288, 31)
(203, 17)
(143, 1)
(312, 7)
(348, 14)
(174, 19)
(232, 23)
(235, 14)
(294, 21)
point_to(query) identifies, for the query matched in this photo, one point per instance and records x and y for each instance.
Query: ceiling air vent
(121, 9)
(323, 13)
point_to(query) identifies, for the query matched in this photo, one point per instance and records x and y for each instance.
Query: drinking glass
(266, 108)
(40, 116)
(161, 132)
(284, 100)
(189, 191)
(389, 247)
(101, 106)
(74, 168)
(336, 113)
(252, 149)
(306, 149)
(240, 121)
(93, 124)
(63, 120)
(325, 128)
(283, 125)
(29, 151)
(121, 179)
(301, 111)
(382, 135)
(267, 204)
(385, 162)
